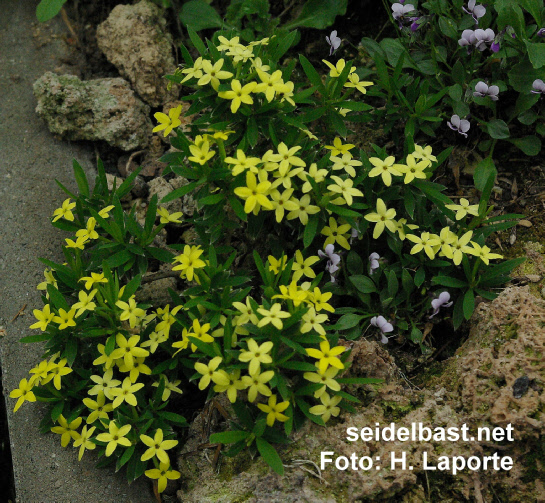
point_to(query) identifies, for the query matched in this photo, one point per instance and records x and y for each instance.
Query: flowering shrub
(340, 241)
(478, 63)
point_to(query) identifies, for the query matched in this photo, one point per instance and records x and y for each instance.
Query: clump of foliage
(341, 240)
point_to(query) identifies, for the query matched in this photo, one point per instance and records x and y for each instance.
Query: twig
(19, 313)
(132, 156)
(68, 24)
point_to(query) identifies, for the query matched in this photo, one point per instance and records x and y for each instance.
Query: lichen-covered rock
(101, 109)
(135, 40)
(480, 386)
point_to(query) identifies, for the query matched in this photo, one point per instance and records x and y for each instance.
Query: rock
(156, 292)
(101, 109)
(189, 206)
(134, 38)
(506, 343)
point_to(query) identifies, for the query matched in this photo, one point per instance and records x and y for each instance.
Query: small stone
(520, 387)
(525, 223)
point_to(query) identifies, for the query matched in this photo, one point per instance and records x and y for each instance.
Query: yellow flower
(125, 393)
(254, 193)
(138, 367)
(313, 321)
(338, 68)
(210, 372)
(400, 227)
(83, 441)
(65, 211)
(293, 292)
(189, 261)
(483, 253)
(304, 209)
(99, 407)
(23, 393)
(104, 384)
(67, 431)
(446, 237)
(49, 280)
(256, 383)
(162, 474)
(274, 410)
(326, 378)
(328, 408)
(79, 243)
(279, 265)
(464, 208)
(242, 163)
(413, 169)
(302, 267)
(115, 437)
(460, 246)
(256, 355)
(345, 188)
(345, 162)
(336, 234)
(59, 371)
(89, 231)
(424, 153)
(167, 217)
(238, 94)
(213, 73)
(108, 361)
(385, 168)
(169, 387)
(384, 217)
(273, 315)
(286, 157)
(270, 84)
(157, 446)
(320, 299)
(318, 175)
(128, 350)
(42, 372)
(168, 122)
(327, 356)
(338, 148)
(130, 312)
(44, 317)
(201, 333)
(286, 93)
(94, 278)
(201, 153)
(104, 212)
(235, 384)
(246, 311)
(282, 202)
(354, 81)
(425, 242)
(194, 71)
(240, 53)
(85, 302)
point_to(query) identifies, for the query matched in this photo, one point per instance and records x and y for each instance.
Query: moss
(394, 411)
(534, 462)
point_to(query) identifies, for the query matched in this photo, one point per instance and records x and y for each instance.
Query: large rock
(496, 378)
(135, 40)
(101, 109)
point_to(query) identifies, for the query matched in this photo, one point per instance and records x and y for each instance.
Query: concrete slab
(30, 160)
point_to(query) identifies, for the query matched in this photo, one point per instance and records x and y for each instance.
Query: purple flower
(460, 125)
(541, 32)
(441, 301)
(415, 24)
(333, 41)
(399, 11)
(477, 11)
(484, 37)
(333, 260)
(384, 327)
(482, 90)
(373, 262)
(538, 87)
(495, 47)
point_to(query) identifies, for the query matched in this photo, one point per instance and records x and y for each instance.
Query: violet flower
(483, 90)
(441, 301)
(333, 41)
(415, 24)
(538, 87)
(484, 37)
(541, 33)
(460, 125)
(373, 262)
(476, 11)
(399, 11)
(333, 260)
(467, 40)
(384, 327)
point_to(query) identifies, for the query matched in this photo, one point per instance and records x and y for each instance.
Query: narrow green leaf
(269, 455)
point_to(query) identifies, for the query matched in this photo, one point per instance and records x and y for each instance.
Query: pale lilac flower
(354, 234)
(441, 301)
(467, 40)
(384, 327)
(541, 32)
(373, 262)
(333, 260)
(333, 41)
(538, 87)
(399, 10)
(484, 37)
(483, 90)
(476, 11)
(460, 125)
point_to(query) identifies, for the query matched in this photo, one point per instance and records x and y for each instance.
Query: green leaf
(498, 129)
(200, 16)
(174, 418)
(393, 284)
(123, 460)
(342, 211)
(310, 230)
(35, 338)
(211, 199)
(534, 7)
(269, 455)
(179, 192)
(348, 321)
(311, 73)
(530, 145)
(57, 298)
(363, 283)
(57, 411)
(419, 277)
(81, 179)
(448, 27)
(485, 170)
(319, 14)
(449, 282)
(197, 42)
(501, 269)
(354, 263)
(536, 53)
(469, 304)
(228, 437)
(48, 9)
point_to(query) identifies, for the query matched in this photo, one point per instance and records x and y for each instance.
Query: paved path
(30, 160)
